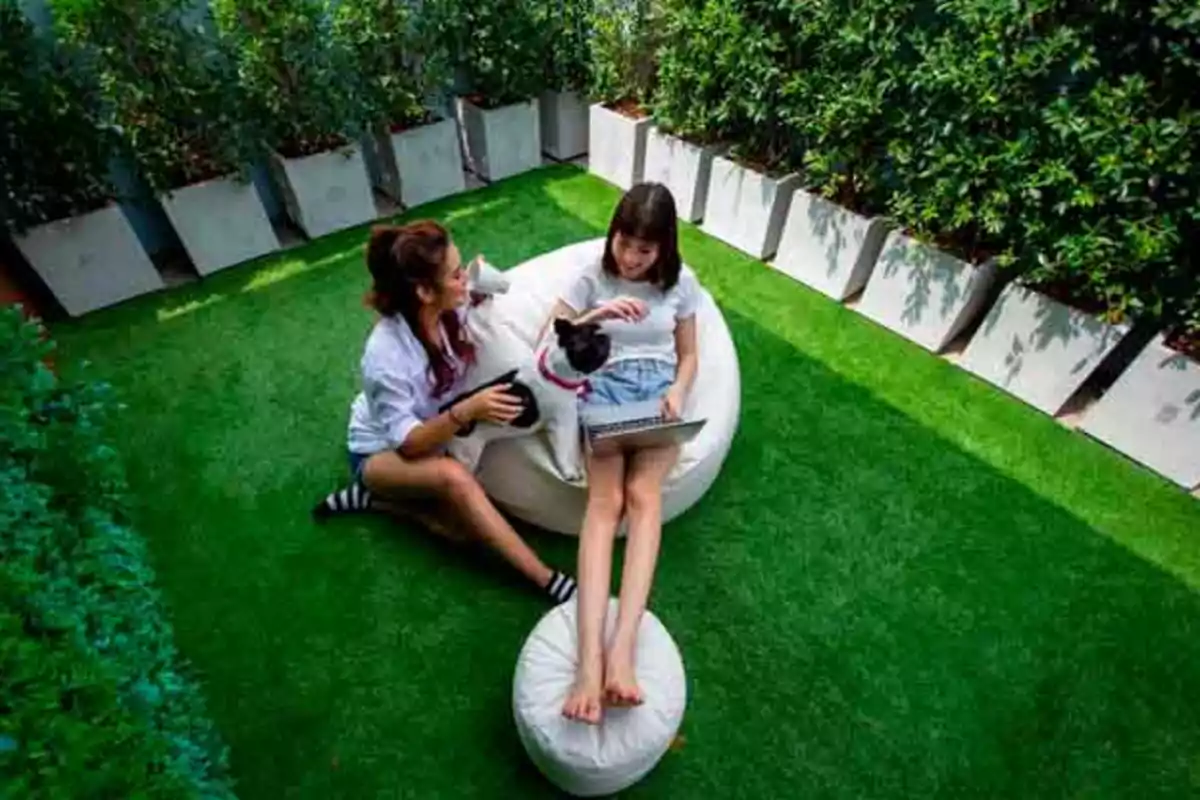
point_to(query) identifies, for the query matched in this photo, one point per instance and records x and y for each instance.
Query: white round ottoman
(589, 760)
(519, 473)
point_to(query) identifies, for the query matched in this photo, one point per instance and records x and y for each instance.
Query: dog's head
(585, 346)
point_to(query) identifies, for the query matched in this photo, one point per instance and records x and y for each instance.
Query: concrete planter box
(221, 222)
(504, 141)
(1152, 414)
(745, 208)
(682, 167)
(326, 192)
(923, 294)
(616, 146)
(421, 164)
(564, 118)
(1038, 349)
(828, 247)
(90, 261)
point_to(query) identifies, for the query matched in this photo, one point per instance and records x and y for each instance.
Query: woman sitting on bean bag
(415, 358)
(647, 299)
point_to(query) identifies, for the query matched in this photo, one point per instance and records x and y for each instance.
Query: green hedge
(296, 72)
(499, 48)
(55, 144)
(1061, 138)
(625, 39)
(94, 699)
(172, 86)
(402, 71)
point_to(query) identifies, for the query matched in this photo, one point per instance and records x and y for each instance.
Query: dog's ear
(563, 327)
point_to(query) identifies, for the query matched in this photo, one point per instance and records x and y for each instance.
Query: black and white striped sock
(561, 587)
(352, 498)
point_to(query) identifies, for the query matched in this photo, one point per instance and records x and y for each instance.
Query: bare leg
(429, 513)
(606, 475)
(643, 497)
(396, 478)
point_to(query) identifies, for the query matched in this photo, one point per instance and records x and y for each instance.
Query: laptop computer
(633, 426)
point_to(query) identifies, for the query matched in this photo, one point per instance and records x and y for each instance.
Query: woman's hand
(493, 404)
(672, 402)
(629, 309)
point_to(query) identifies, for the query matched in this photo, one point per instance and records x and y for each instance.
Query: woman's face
(452, 282)
(635, 257)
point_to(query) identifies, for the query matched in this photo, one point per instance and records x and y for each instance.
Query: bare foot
(583, 703)
(620, 679)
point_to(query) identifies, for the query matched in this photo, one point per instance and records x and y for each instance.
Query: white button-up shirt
(397, 387)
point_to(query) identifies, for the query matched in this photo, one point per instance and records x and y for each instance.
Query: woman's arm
(626, 308)
(493, 404)
(686, 352)
(685, 368)
(431, 434)
(393, 400)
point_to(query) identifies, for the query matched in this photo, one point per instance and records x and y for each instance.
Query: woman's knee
(643, 496)
(455, 482)
(606, 500)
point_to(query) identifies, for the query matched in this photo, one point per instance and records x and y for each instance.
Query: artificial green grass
(904, 584)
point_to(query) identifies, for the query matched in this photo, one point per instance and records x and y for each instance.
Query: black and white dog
(549, 386)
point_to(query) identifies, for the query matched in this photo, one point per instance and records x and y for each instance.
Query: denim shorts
(633, 380)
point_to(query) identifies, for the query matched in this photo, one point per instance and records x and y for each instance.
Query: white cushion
(589, 760)
(519, 473)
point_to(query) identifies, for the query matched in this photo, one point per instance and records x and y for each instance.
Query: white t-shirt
(397, 388)
(654, 335)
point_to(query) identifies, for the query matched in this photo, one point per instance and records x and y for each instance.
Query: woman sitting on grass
(415, 357)
(648, 300)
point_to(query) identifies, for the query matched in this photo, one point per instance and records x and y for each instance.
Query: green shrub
(55, 147)
(94, 700)
(173, 87)
(625, 36)
(1059, 138)
(498, 47)
(298, 74)
(719, 80)
(402, 70)
(965, 131)
(568, 32)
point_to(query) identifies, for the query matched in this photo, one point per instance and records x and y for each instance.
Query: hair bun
(380, 243)
(384, 236)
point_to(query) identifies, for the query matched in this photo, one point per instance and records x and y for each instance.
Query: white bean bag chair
(590, 760)
(519, 473)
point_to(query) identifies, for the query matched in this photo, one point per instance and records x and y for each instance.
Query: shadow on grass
(864, 609)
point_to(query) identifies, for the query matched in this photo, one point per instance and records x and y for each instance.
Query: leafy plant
(625, 41)
(720, 80)
(1058, 138)
(296, 72)
(172, 86)
(94, 699)
(401, 69)
(568, 31)
(55, 145)
(498, 47)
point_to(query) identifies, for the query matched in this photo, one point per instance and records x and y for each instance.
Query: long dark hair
(647, 212)
(402, 258)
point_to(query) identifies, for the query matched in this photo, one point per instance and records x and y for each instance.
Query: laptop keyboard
(612, 428)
